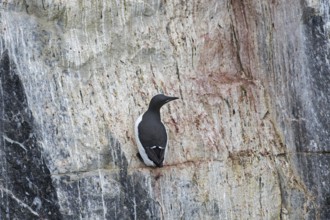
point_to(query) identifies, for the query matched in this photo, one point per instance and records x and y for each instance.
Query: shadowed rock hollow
(248, 139)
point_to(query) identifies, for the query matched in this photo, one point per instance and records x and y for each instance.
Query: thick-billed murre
(150, 133)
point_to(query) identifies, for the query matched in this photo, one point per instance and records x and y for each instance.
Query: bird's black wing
(156, 155)
(153, 138)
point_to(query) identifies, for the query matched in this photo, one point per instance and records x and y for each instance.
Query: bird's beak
(169, 98)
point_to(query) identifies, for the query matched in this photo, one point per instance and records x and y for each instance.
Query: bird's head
(159, 100)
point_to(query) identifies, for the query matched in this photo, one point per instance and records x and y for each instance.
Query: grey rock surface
(26, 185)
(249, 138)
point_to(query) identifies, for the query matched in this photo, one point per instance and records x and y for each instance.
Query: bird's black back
(152, 133)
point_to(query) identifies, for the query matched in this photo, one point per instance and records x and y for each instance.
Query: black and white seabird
(150, 133)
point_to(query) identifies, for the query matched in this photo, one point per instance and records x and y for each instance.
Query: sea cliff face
(248, 139)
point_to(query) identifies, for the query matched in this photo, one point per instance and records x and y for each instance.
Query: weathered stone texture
(249, 138)
(25, 184)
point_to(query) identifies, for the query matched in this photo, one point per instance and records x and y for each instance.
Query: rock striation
(249, 138)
